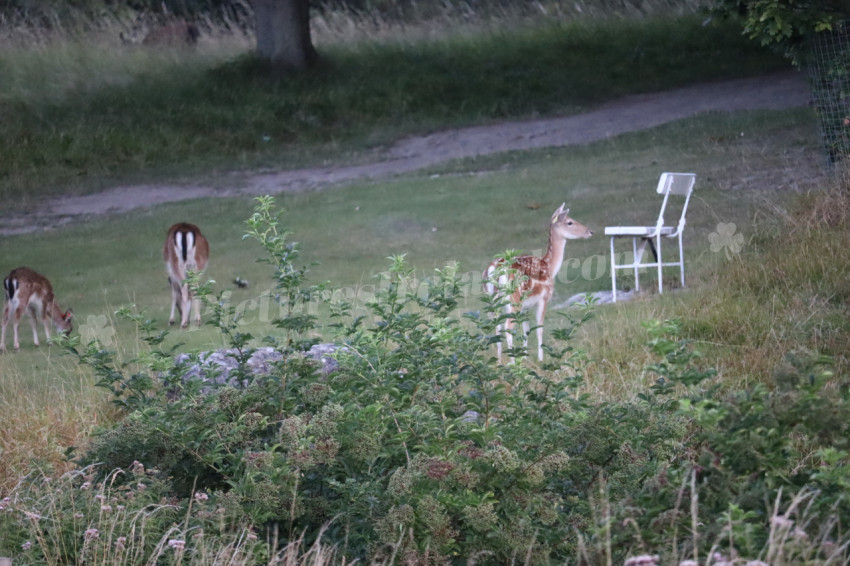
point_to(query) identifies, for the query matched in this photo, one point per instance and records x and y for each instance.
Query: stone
(215, 367)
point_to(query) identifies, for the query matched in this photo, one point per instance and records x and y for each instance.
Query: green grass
(466, 212)
(115, 113)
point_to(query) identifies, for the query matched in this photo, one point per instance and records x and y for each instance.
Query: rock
(216, 366)
(602, 298)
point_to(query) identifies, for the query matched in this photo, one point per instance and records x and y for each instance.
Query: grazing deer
(26, 290)
(185, 250)
(538, 277)
(172, 34)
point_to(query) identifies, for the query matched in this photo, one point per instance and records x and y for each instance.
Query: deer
(27, 290)
(537, 283)
(185, 250)
(168, 34)
(172, 34)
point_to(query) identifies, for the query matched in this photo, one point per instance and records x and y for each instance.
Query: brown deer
(185, 250)
(172, 34)
(538, 277)
(26, 290)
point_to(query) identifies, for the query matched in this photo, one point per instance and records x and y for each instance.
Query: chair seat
(637, 231)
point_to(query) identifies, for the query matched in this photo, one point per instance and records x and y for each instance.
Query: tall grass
(43, 415)
(121, 526)
(786, 293)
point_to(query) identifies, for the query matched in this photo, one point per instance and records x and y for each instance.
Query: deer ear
(557, 213)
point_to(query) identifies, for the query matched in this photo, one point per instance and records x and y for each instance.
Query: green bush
(750, 451)
(418, 445)
(420, 448)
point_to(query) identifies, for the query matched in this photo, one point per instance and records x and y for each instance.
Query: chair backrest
(679, 184)
(676, 183)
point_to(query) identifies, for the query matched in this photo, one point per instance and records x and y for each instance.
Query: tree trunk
(283, 34)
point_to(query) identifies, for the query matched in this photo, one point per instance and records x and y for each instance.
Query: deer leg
(185, 306)
(490, 289)
(33, 314)
(46, 324)
(45, 319)
(196, 305)
(541, 311)
(499, 343)
(3, 331)
(175, 294)
(16, 320)
(15, 323)
(509, 337)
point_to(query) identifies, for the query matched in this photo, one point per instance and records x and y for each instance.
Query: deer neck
(55, 313)
(554, 257)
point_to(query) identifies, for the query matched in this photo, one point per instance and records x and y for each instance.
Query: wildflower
(481, 517)
(120, 542)
(78, 515)
(643, 560)
(86, 485)
(438, 469)
(756, 563)
(780, 521)
(100, 497)
(503, 459)
(92, 534)
(828, 547)
(137, 467)
(252, 536)
(688, 563)
(47, 479)
(177, 544)
(27, 545)
(141, 487)
(201, 496)
(120, 507)
(106, 508)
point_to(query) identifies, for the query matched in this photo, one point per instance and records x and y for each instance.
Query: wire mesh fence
(828, 63)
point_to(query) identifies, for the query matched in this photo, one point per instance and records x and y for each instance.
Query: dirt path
(631, 113)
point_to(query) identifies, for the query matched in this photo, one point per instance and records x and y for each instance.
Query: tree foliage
(784, 24)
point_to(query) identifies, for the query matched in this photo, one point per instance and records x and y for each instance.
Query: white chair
(678, 184)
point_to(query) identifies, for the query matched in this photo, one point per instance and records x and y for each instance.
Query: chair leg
(658, 249)
(613, 274)
(681, 261)
(635, 260)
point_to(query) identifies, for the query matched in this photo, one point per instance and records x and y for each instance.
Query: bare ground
(631, 113)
